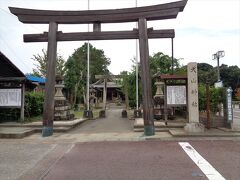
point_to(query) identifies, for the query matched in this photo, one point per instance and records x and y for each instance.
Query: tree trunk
(126, 98)
(75, 92)
(84, 97)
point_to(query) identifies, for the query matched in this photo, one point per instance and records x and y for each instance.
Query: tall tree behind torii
(76, 70)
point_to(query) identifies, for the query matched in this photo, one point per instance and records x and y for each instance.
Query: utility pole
(88, 113)
(136, 65)
(217, 56)
(88, 59)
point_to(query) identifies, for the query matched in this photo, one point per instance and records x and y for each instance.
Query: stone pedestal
(62, 110)
(236, 126)
(88, 114)
(137, 113)
(124, 114)
(102, 114)
(194, 127)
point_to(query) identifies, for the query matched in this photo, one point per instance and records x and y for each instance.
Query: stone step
(71, 123)
(16, 133)
(156, 129)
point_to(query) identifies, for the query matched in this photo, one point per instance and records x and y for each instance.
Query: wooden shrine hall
(113, 90)
(97, 17)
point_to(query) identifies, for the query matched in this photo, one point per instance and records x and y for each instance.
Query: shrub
(202, 97)
(217, 96)
(34, 103)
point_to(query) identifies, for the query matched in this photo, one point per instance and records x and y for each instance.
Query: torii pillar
(149, 129)
(48, 107)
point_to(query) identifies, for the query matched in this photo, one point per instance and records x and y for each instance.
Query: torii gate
(97, 17)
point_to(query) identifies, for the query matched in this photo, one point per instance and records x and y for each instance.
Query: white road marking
(205, 166)
(72, 146)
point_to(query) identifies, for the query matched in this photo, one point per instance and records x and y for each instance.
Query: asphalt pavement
(108, 149)
(142, 160)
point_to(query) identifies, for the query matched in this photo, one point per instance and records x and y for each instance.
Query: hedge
(34, 103)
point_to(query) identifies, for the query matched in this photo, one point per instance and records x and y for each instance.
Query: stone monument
(61, 106)
(193, 107)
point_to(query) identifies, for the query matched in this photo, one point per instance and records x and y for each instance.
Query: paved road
(54, 158)
(113, 123)
(69, 156)
(143, 161)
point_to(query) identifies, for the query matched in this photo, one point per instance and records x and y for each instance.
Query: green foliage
(202, 97)
(129, 87)
(162, 64)
(76, 70)
(159, 64)
(33, 107)
(230, 76)
(206, 74)
(217, 96)
(34, 103)
(41, 64)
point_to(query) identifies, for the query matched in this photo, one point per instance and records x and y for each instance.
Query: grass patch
(32, 119)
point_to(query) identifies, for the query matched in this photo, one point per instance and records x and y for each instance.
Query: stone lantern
(62, 107)
(159, 100)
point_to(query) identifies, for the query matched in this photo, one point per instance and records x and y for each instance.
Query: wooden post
(146, 79)
(48, 108)
(22, 102)
(172, 57)
(97, 27)
(208, 106)
(105, 94)
(165, 103)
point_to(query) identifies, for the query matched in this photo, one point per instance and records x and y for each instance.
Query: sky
(202, 29)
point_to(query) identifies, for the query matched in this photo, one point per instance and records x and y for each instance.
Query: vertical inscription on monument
(193, 93)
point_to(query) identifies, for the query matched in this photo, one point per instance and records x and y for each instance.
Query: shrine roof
(110, 84)
(8, 71)
(171, 77)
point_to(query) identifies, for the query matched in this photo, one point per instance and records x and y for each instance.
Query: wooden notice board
(176, 95)
(10, 97)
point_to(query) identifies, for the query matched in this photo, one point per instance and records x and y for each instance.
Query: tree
(206, 74)
(230, 76)
(76, 70)
(161, 63)
(41, 66)
(125, 86)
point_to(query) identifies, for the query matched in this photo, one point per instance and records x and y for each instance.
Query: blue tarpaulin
(36, 79)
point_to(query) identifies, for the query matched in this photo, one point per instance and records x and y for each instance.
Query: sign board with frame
(229, 105)
(176, 95)
(10, 97)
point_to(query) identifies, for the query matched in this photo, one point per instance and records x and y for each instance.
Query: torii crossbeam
(97, 17)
